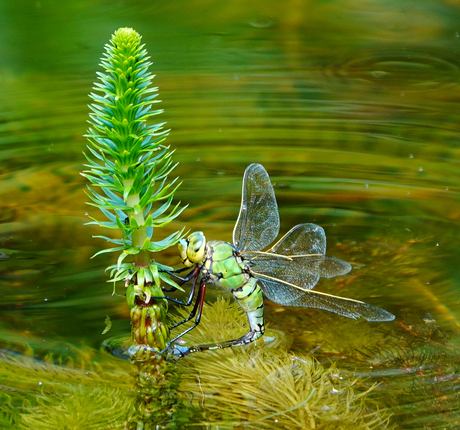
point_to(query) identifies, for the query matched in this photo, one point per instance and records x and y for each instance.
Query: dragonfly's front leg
(182, 281)
(192, 274)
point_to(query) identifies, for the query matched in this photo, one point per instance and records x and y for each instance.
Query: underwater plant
(128, 165)
(247, 387)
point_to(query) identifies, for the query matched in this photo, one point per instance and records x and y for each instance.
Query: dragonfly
(285, 273)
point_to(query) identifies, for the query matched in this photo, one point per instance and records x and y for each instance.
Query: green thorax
(224, 266)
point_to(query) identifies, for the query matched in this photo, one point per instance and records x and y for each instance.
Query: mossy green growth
(251, 387)
(128, 165)
(85, 393)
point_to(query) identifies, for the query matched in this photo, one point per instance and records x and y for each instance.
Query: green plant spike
(127, 167)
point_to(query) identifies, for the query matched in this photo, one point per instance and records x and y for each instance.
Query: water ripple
(408, 69)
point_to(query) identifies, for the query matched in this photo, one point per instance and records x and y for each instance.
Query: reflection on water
(351, 107)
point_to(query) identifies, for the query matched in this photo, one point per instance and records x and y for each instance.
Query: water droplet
(261, 22)
(429, 319)
(378, 74)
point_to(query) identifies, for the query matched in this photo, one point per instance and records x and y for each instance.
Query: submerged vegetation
(248, 387)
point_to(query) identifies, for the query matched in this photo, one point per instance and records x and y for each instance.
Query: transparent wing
(303, 271)
(301, 239)
(291, 295)
(258, 221)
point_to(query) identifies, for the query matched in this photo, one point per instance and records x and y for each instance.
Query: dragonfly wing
(301, 239)
(303, 271)
(329, 267)
(258, 221)
(290, 295)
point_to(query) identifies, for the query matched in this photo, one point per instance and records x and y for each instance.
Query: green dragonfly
(285, 273)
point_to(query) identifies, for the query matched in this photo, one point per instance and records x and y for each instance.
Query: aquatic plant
(87, 392)
(128, 165)
(247, 387)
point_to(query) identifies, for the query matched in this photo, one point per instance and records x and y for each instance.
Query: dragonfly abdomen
(250, 298)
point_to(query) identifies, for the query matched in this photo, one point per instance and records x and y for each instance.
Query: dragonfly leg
(197, 310)
(200, 295)
(182, 281)
(190, 275)
(182, 269)
(187, 278)
(169, 290)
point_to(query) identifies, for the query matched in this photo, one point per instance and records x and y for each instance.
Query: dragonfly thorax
(224, 266)
(193, 249)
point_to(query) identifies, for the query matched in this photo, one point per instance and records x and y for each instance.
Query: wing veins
(313, 292)
(286, 257)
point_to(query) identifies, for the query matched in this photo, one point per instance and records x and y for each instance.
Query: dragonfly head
(192, 249)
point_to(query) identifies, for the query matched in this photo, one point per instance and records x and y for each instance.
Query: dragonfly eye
(196, 247)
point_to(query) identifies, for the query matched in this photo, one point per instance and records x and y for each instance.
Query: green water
(351, 106)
